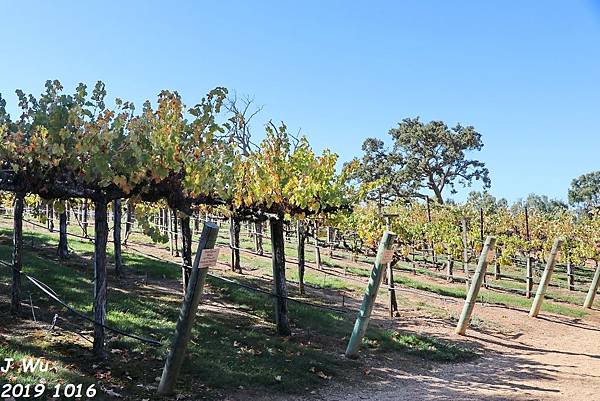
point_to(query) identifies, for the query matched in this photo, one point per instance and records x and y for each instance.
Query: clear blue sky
(525, 74)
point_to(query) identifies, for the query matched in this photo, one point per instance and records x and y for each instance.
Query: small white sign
(388, 255)
(208, 258)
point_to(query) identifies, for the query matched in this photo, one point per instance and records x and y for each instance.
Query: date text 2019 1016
(21, 391)
(32, 365)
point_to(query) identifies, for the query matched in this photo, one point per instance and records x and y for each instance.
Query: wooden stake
(476, 282)
(570, 274)
(317, 249)
(17, 256)
(465, 252)
(186, 251)
(169, 216)
(63, 247)
(364, 314)
(449, 269)
(175, 227)
(589, 299)
(529, 278)
(188, 312)
(481, 223)
(392, 302)
(543, 286)
(496, 266)
(258, 240)
(301, 260)
(117, 209)
(279, 282)
(100, 276)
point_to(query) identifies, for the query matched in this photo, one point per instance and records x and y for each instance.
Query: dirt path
(549, 358)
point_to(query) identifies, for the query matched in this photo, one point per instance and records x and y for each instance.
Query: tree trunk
(279, 283)
(258, 239)
(186, 251)
(100, 280)
(117, 237)
(17, 256)
(301, 241)
(63, 247)
(234, 239)
(438, 195)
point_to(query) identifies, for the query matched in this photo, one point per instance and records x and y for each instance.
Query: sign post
(206, 256)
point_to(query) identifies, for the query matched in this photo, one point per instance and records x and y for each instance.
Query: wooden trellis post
(570, 272)
(384, 253)
(465, 252)
(528, 267)
(589, 299)
(476, 282)
(529, 278)
(543, 286)
(449, 268)
(392, 302)
(188, 310)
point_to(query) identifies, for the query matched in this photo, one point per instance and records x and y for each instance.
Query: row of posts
(382, 263)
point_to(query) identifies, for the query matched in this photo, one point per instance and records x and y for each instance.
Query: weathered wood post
(528, 267)
(330, 240)
(117, 237)
(570, 272)
(450, 268)
(189, 308)
(17, 256)
(63, 247)
(317, 249)
(384, 255)
(545, 280)
(50, 216)
(186, 250)
(169, 217)
(589, 299)
(465, 241)
(279, 282)
(392, 302)
(481, 223)
(476, 282)
(496, 266)
(100, 276)
(258, 237)
(301, 256)
(175, 233)
(84, 217)
(128, 220)
(234, 241)
(529, 278)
